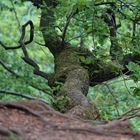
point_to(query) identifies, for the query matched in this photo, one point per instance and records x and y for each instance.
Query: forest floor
(34, 120)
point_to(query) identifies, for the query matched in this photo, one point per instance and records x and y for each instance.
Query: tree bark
(69, 70)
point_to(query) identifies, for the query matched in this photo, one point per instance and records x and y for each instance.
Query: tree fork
(67, 64)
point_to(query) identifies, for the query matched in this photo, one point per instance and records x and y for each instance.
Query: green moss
(61, 103)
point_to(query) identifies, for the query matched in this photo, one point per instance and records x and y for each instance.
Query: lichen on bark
(75, 78)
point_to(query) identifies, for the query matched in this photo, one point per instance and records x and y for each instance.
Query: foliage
(115, 97)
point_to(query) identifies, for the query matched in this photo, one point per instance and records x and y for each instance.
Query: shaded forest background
(112, 97)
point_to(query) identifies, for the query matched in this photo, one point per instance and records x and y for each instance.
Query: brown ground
(33, 120)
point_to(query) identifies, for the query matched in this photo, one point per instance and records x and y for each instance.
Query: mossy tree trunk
(70, 71)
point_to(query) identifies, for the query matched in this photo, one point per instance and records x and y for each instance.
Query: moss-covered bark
(75, 78)
(69, 70)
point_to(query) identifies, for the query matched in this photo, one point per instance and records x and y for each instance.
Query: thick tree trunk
(75, 80)
(68, 68)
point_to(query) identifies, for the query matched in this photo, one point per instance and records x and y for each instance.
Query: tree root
(51, 121)
(11, 133)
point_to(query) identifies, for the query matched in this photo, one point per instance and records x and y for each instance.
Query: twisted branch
(22, 37)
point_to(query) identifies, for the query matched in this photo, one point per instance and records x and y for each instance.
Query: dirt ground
(34, 120)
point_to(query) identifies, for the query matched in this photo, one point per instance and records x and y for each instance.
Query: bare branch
(132, 113)
(22, 45)
(114, 97)
(22, 37)
(110, 19)
(72, 13)
(23, 32)
(8, 47)
(47, 90)
(40, 43)
(26, 56)
(8, 69)
(23, 95)
(15, 12)
(16, 94)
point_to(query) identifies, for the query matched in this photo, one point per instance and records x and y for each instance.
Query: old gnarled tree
(70, 70)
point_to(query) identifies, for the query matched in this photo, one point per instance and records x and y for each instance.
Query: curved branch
(22, 46)
(22, 37)
(23, 33)
(48, 91)
(8, 69)
(23, 95)
(8, 47)
(72, 13)
(26, 56)
(17, 94)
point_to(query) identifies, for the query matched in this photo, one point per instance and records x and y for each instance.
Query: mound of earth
(34, 120)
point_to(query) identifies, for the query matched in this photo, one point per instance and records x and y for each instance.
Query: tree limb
(47, 27)
(110, 19)
(72, 13)
(22, 46)
(26, 56)
(22, 77)
(17, 94)
(22, 37)
(8, 69)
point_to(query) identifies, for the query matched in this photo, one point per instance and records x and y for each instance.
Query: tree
(77, 68)
(90, 42)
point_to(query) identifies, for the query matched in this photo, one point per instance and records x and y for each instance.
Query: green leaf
(136, 92)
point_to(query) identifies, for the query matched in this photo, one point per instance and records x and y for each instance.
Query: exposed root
(44, 123)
